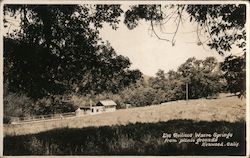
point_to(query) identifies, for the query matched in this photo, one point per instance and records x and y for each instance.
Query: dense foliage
(234, 68)
(204, 79)
(58, 50)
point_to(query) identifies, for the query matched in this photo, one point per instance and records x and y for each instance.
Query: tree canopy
(58, 49)
(220, 25)
(204, 78)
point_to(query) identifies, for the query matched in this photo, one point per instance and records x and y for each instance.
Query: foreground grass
(132, 139)
(226, 108)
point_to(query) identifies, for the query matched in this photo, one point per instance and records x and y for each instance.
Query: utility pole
(90, 103)
(186, 91)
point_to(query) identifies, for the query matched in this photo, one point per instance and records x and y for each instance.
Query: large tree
(202, 76)
(204, 79)
(58, 49)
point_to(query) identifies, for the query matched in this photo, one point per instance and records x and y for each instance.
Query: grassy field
(132, 139)
(135, 131)
(225, 108)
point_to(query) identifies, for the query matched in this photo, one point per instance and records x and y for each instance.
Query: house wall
(87, 111)
(110, 109)
(80, 112)
(97, 109)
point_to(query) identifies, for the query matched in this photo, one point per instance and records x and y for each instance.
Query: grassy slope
(225, 108)
(132, 139)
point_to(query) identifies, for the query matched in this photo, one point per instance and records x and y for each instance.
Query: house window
(92, 110)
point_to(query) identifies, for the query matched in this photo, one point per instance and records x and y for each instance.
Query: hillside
(225, 108)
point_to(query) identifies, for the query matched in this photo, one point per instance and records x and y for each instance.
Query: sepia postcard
(124, 78)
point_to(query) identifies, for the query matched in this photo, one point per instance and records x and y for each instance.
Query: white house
(100, 107)
(109, 105)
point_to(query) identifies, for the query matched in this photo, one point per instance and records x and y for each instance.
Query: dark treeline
(203, 77)
(132, 139)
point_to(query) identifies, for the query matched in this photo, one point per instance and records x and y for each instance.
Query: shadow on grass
(132, 139)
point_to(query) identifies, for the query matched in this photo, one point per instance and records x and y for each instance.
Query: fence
(18, 120)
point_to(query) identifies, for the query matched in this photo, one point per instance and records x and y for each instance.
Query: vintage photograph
(124, 78)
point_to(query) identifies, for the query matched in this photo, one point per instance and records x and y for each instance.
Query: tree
(175, 83)
(159, 82)
(139, 96)
(64, 34)
(58, 50)
(17, 105)
(234, 69)
(203, 77)
(220, 25)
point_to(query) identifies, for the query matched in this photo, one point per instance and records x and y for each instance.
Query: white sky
(149, 54)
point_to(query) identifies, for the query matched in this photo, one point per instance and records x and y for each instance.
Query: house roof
(107, 102)
(87, 104)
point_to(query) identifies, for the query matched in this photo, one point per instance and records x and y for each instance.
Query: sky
(149, 54)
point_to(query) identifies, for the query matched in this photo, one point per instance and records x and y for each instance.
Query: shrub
(17, 104)
(6, 120)
(139, 96)
(54, 104)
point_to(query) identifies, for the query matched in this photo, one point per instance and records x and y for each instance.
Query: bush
(17, 105)
(54, 104)
(139, 96)
(6, 120)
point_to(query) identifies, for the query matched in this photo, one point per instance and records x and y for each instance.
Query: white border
(1, 79)
(122, 2)
(247, 80)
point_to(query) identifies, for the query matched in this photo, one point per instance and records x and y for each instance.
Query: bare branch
(152, 26)
(164, 22)
(179, 11)
(177, 27)
(199, 40)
